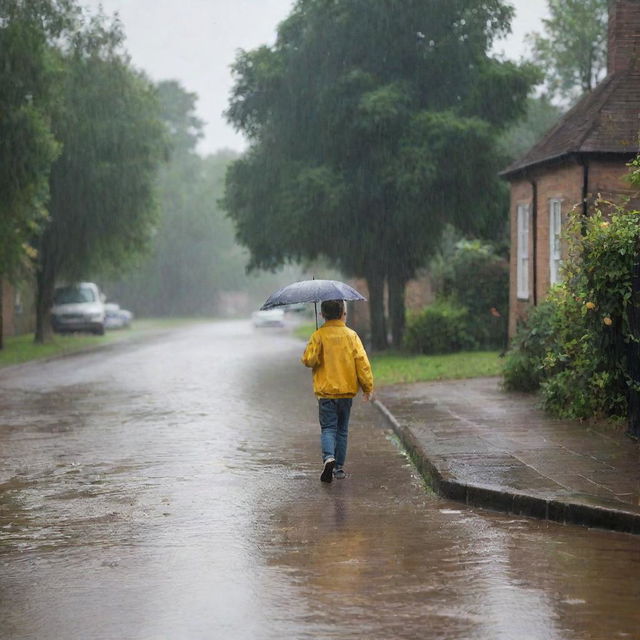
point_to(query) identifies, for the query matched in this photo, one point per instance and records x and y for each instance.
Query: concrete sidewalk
(477, 444)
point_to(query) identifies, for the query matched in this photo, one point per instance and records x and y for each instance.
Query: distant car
(115, 317)
(269, 318)
(78, 307)
(298, 307)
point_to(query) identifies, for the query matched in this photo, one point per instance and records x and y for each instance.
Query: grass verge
(395, 368)
(304, 331)
(21, 349)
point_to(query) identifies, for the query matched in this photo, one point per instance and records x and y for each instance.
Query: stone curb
(555, 510)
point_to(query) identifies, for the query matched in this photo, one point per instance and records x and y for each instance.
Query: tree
(371, 125)
(101, 208)
(193, 253)
(541, 115)
(573, 51)
(28, 72)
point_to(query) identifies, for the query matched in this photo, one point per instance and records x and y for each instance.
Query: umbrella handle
(315, 308)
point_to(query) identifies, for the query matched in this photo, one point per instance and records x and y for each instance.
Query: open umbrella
(311, 291)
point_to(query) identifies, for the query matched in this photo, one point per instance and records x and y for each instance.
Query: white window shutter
(555, 246)
(522, 252)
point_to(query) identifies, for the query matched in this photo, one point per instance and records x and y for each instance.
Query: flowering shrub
(575, 345)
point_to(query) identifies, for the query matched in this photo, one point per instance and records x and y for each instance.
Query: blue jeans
(334, 425)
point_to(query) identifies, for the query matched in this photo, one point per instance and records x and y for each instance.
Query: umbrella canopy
(311, 291)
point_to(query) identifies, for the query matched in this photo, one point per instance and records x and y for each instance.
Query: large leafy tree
(101, 208)
(573, 49)
(372, 125)
(29, 70)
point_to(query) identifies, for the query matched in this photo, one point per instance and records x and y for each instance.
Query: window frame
(555, 240)
(523, 224)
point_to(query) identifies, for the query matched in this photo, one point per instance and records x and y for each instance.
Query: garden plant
(577, 345)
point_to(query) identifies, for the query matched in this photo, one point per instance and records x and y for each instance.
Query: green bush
(439, 328)
(524, 362)
(477, 278)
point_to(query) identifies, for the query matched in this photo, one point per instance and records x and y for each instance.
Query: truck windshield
(74, 295)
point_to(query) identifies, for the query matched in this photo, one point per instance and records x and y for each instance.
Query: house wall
(564, 182)
(607, 178)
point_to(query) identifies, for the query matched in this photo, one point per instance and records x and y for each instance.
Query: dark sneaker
(327, 471)
(339, 474)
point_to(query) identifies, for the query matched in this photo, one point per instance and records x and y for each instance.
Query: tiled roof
(607, 120)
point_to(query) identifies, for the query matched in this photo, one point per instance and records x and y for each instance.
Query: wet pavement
(170, 490)
(486, 447)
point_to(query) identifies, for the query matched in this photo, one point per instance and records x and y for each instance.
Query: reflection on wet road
(171, 490)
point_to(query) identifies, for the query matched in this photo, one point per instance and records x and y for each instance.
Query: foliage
(541, 115)
(442, 327)
(371, 125)
(536, 335)
(395, 368)
(577, 343)
(101, 209)
(573, 51)
(102, 186)
(178, 275)
(477, 279)
(29, 70)
(193, 257)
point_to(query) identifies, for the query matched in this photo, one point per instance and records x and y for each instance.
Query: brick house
(583, 155)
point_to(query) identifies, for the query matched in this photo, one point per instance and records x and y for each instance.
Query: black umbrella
(311, 291)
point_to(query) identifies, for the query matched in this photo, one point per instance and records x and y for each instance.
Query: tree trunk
(45, 281)
(375, 283)
(633, 352)
(397, 286)
(1, 313)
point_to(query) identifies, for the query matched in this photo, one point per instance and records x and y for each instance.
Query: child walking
(340, 367)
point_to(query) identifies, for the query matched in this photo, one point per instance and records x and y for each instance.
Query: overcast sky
(195, 42)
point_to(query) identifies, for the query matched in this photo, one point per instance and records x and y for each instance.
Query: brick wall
(607, 178)
(564, 182)
(624, 35)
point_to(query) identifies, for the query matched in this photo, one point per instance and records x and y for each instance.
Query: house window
(555, 248)
(522, 267)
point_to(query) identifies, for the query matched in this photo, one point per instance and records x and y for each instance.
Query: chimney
(624, 35)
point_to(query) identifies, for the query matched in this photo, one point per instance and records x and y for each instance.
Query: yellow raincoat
(339, 361)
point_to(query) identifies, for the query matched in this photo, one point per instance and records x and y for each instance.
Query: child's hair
(332, 309)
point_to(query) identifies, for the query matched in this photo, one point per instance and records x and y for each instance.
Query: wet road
(170, 490)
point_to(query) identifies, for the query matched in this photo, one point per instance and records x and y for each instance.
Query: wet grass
(397, 367)
(21, 349)
(304, 331)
